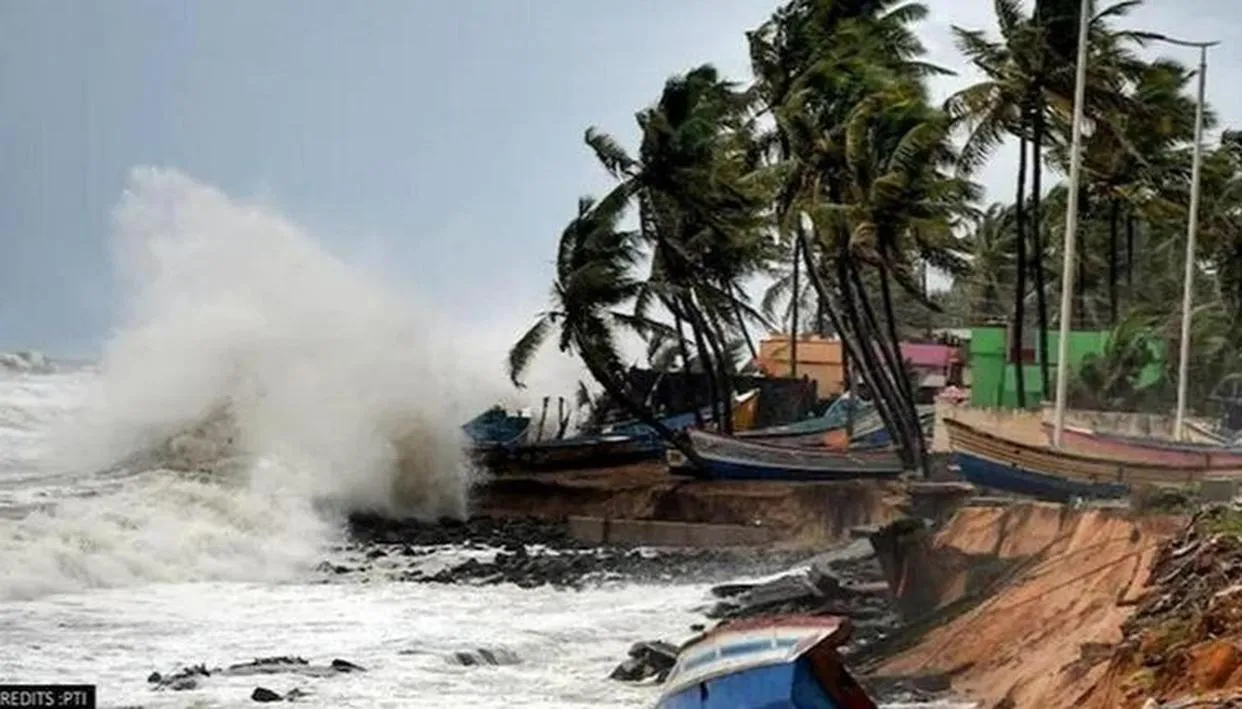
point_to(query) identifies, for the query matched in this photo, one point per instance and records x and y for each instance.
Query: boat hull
(992, 461)
(986, 473)
(778, 663)
(1147, 450)
(729, 458)
(587, 453)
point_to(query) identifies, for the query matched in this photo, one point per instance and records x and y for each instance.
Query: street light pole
(1192, 227)
(1071, 225)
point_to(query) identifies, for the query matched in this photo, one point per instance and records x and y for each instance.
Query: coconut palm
(594, 280)
(701, 198)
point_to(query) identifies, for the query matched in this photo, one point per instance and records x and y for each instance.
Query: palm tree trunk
(1129, 257)
(886, 293)
(600, 373)
(692, 390)
(724, 366)
(1037, 243)
(1019, 291)
(853, 339)
(892, 371)
(793, 325)
(705, 360)
(741, 321)
(1114, 224)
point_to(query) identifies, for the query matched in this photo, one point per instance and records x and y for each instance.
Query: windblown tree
(595, 264)
(833, 177)
(701, 199)
(859, 152)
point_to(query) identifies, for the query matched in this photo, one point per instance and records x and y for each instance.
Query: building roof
(922, 354)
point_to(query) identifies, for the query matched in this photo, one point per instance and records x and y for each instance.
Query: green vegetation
(834, 177)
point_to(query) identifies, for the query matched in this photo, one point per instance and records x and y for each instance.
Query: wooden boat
(991, 461)
(869, 432)
(619, 444)
(1149, 450)
(494, 432)
(730, 458)
(788, 662)
(812, 431)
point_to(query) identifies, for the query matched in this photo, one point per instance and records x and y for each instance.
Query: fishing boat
(1003, 463)
(494, 432)
(788, 662)
(1152, 450)
(812, 431)
(730, 458)
(615, 445)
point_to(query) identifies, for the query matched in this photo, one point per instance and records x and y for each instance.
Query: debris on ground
(1182, 646)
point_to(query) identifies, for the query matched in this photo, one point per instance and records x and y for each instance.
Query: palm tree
(990, 245)
(594, 279)
(817, 61)
(1029, 86)
(701, 197)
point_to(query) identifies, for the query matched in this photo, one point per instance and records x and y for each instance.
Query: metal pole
(1192, 226)
(1071, 225)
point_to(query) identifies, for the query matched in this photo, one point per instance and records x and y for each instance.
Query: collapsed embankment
(1009, 598)
(810, 515)
(1183, 645)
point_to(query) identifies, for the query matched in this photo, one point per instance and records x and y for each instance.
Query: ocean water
(168, 506)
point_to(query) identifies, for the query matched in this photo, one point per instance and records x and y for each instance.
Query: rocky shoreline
(529, 552)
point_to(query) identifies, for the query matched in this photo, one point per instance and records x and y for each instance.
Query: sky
(436, 142)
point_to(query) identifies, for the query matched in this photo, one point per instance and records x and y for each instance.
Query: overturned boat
(788, 662)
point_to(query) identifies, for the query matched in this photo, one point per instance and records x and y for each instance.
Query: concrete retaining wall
(642, 532)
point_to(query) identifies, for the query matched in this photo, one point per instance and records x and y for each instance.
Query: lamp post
(1192, 226)
(1071, 225)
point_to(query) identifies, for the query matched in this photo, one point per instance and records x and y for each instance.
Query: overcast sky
(437, 141)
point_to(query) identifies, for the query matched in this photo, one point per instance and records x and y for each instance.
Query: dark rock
(630, 670)
(263, 694)
(182, 684)
(376, 553)
(296, 694)
(346, 666)
(646, 659)
(484, 656)
(186, 678)
(266, 665)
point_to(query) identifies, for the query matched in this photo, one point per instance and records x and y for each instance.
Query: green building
(993, 382)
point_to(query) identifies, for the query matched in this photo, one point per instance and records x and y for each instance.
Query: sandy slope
(1075, 573)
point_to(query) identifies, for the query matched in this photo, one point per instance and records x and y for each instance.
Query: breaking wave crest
(254, 381)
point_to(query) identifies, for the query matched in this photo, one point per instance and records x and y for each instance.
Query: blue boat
(624, 443)
(786, 662)
(496, 427)
(810, 431)
(873, 433)
(991, 461)
(732, 458)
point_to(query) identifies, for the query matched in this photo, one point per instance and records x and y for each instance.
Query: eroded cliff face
(810, 515)
(1030, 596)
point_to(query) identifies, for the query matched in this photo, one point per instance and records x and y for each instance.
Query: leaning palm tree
(844, 53)
(701, 198)
(595, 264)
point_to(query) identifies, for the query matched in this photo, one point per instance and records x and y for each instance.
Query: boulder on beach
(263, 694)
(654, 658)
(484, 656)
